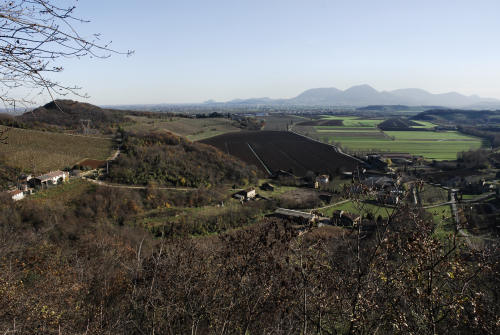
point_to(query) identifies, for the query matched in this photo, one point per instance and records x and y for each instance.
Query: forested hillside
(167, 159)
(68, 114)
(76, 269)
(458, 116)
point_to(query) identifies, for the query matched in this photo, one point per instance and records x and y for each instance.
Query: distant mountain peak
(364, 95)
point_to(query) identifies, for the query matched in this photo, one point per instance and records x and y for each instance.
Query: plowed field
(279, 150)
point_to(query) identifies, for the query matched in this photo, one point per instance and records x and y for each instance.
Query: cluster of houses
(339, 217)
(28, 184)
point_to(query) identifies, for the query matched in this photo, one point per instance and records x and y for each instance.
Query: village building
(16, 195)
(298, 216)
(246, 194)
(376, 162)
(51, 178)
(250, 193)
(24, 178)
(343, 218)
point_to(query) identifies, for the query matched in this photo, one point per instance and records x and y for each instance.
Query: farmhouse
(301, 217)
(250, 193)
(246, 194)
(16, 195)
(51, 178)
(24, 178)
(342, 218)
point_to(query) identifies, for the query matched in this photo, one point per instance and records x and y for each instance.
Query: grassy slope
(424, 124)
(39, 152)
(359, 208)
(193, 129)
(443, 219)
(354, 121)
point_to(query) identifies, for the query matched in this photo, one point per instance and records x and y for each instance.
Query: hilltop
(69, 113)
(458, 116)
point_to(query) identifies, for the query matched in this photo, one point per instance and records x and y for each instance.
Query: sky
(190, 51)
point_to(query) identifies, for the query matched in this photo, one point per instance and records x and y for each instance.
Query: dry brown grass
(193, 129)
(39, 152)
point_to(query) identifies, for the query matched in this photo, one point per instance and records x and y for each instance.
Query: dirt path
(332, 205)
(134, 187)
(114, 155)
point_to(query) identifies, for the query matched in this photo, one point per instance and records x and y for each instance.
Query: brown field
(92, 163)
(321, 123)
(39, 152)
(283, 151)
(193, 129)
(280, 121)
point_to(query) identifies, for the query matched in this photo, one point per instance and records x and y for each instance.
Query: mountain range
(363, 95)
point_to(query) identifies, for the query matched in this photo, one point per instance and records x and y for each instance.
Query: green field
(432, 195)
(424, 125)
(327, 129)
(443, 219)
(430, 135)
(193, 129)
(354, 121)
(361, 208)
(64, 193)
(39, 152)
(361, 135)
(429, 144)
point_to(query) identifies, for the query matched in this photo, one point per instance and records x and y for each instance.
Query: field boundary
(337, 149)
(260, 160)
(136, 187)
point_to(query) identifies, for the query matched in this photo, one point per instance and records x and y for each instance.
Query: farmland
(280, 121)
(359, 208)
(283, 151)
(39, 152)
(193, 129)
(362, 136)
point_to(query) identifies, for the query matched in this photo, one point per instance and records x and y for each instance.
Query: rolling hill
(363, 95)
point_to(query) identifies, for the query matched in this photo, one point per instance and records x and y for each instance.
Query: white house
(16, 195)
(251, 193)
(51, 178)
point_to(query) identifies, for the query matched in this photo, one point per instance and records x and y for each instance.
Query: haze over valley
(143, 192)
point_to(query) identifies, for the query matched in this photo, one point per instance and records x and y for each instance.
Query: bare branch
(34, 35)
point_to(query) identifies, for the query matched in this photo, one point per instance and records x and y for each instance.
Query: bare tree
(34, 35)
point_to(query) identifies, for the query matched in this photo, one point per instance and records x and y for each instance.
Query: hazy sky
(192, 51)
